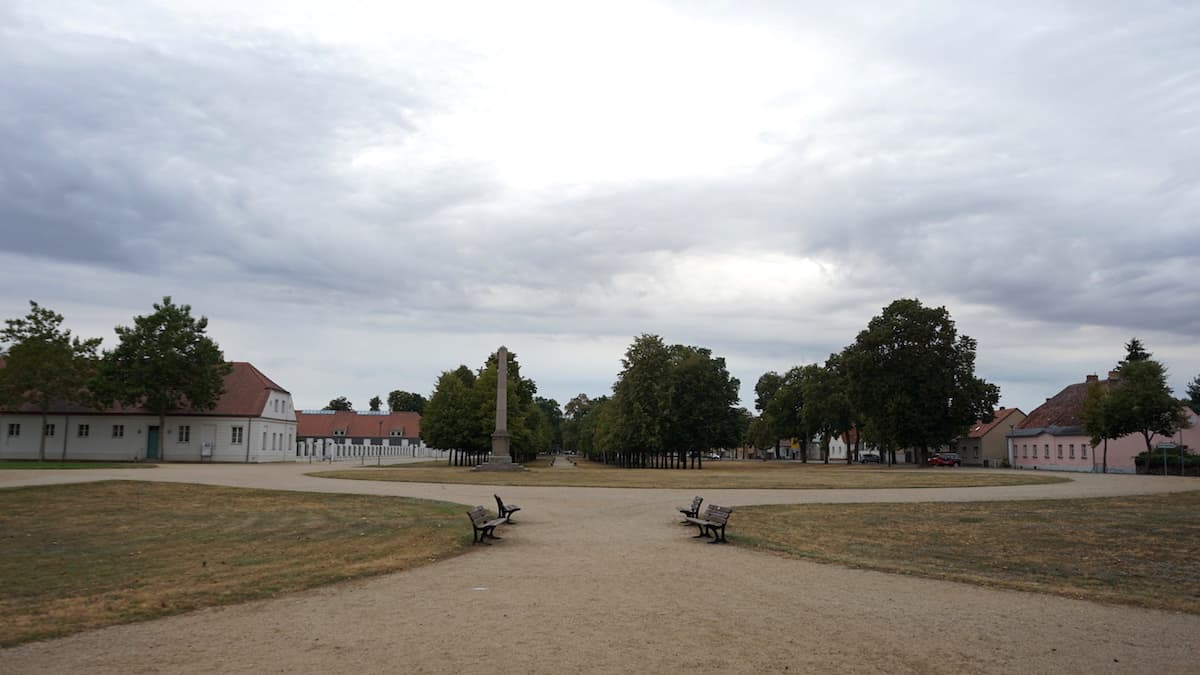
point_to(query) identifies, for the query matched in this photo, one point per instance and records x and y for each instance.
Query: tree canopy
(406, 401)
(1142, 402)
(375, 403)
(912, 377)
(1193, 392)
(1134, 351)
(339, 403)
(165, 362)
(45, 365)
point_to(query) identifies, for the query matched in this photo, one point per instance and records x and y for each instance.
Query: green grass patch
(51, 465)
(1142, 550)
(75, 557)
(715, 475)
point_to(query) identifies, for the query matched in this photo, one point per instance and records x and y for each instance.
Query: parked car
(870, 459)
(714, 455)
(945, 459)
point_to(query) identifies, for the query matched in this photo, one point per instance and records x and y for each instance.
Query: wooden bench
(692, 511)
(484, 525)
(712, 523)
(505, 511)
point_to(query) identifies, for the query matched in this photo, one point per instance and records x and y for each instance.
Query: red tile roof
(245, 394)
(981, 429)
(1064, 409)
(323, 424)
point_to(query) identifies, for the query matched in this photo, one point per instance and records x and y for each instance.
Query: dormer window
(339, 432)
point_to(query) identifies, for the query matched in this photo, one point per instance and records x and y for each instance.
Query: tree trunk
(42, 443)
(1104, 464)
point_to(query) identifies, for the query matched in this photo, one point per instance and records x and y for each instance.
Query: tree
(784, 410)
(339, 403)
(760, 435)
(451, 420)
(641, 397)
(574, 413)
(1134, 351)
(1141, 402)
(1193, 391)
(912, 377)
(45, 366)
(402, 401)
(375, 403)
(828, 409)
(165, 362)
(1098, 419)
(702, 414)
(553, 418)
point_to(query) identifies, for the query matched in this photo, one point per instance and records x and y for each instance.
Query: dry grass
(715, 475)
(1141, 551)
(75, 557)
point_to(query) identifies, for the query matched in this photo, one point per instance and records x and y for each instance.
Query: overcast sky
(360, 195)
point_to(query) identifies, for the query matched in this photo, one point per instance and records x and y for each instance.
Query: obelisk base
(501, 459)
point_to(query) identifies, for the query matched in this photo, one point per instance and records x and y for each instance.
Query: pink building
(1052, 437)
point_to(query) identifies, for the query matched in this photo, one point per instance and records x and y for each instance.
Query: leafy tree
(1141, 402)
(828, 408)
(339, 403)
(641, 397)
(45, 366)
(702, 412)
(573, 414)
(553, 418)
(375, 403)
(785, 407)
(1100, 420)
(402, 401)
(1193, 391)
(451, 419)
(912, 377)
(165, 362)
(760, 435)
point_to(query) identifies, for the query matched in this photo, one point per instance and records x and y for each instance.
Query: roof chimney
(1092, 378)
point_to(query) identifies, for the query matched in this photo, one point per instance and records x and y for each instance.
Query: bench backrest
(696, 501)
(478, 516)
(717, 514)
(499, 503)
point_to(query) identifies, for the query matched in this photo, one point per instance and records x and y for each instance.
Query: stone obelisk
(501, 459)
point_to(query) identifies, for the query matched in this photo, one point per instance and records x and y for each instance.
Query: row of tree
(460, 414)
(398, 401)
(907, 381)
(163, 362)
(671, 404)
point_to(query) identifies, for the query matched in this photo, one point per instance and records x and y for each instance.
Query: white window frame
(236, 435)
(49, 429)
(185, 434)
(14, 428)
(84, 430)
(118, 431)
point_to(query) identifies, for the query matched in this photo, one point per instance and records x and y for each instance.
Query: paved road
(606, 580)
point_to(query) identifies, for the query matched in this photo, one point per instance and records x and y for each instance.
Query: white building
(254, 421)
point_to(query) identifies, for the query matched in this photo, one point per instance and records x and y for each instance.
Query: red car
(945, 459)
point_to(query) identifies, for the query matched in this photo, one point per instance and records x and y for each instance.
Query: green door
(152, 443)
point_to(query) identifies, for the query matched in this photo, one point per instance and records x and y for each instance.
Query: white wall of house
(187, 438)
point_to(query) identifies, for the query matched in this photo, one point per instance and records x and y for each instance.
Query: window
(118, 431)
(49, 431)
(185, 434)
(236, 437)
(14, 429)
(1047, 451)
(1083, 451)
(1071, 448)
(84, 430)
(1025, 451)
(1060, 450)
(339, 432)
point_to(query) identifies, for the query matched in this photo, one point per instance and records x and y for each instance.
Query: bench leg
(703, 532)
(478, 536)
(721, 538)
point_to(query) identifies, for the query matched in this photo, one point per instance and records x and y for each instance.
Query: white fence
(329, 450)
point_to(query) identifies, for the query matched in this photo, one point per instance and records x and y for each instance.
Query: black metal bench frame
(713, 523)
(505, 511)
(483, 526)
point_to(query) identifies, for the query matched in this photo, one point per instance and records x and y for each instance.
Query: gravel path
(606, 580)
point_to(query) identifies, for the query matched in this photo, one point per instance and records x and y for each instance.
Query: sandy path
(606, 580)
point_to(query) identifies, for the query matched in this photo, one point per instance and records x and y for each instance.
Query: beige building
(986, 444)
